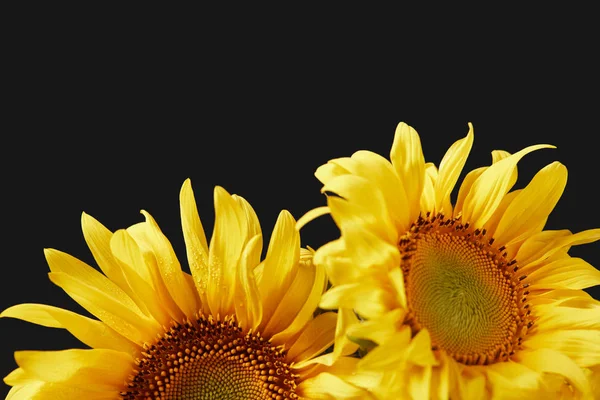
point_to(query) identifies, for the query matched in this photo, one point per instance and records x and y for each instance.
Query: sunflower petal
(169, 268)
(93, 333)
(78, 368)
(63, 262)
(450, 168)
(131, 324)
(38, 390)
(548, 360)
(195, 239)
(407, 158)
(544, 244)
(306, 305)
(366, 249)
(97, 237)
(280, 264)
(226, 245)
(248, 306)
(498, 155)
(340, 268)
(326, 386)
(139, 277)
(378, 170)
(388, 355)
(419, 383)
(378, 330)
(566, 273)
(365, 202)
(582, 346)
(489, 188)
(512, 380)
(428, 195)
(369, 300)
(532, 205)
(465, 189)
(317, 336)
(552, 317)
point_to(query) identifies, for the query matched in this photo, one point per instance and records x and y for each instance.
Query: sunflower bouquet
(421, 297)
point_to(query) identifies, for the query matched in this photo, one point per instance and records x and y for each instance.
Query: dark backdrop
(112, 126)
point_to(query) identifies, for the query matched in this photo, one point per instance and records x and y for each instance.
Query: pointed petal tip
(186, 185)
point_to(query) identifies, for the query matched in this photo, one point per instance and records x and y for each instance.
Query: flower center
(464, 291)
(211, 359)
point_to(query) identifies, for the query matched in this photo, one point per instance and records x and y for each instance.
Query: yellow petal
(533, 205)
(379, 330)
(582, 346)
(492, 223)
(248, 306)
(343, 346)
(553, 317)
(98, 238)
(139, 277)
(450, 168)
(474, 388)
(90, 332)
(299, 304)
(440, 384)
(195, 239)
(78, 368)
(311, 215)
(170, 269)
(489, 188)
(362, 201)
(37, 390)
(366, 249)
(396, 277)
(407, 158)
(131, 324)
(326, 386)
(332, 169)
(63, 262)
(368, 299)
(378, 170)
(250, 220)
(511, 380)
(428, 195)
(388, 355)
(419, 382)
(498, 155)
(340, 268)
(465, 189)
(548, 360)
(226, 245)
(567, 273)
(280, 264)
(315, 338)
(419, 350)
(544, 244)
(293, 300)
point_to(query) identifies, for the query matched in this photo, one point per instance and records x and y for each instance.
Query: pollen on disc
(211, 359)
(463, 291)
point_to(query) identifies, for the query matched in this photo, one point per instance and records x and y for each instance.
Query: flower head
(238, 326)
(469, 298)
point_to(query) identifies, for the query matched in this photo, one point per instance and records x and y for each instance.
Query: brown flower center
(211, 359)
(464, 291)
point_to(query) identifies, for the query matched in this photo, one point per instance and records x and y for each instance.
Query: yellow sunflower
(236, 328)
(469, 299)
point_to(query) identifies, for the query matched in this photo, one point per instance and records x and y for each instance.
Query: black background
(110, 125)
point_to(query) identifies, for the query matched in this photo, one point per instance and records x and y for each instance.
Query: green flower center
(211, 360)
(463, 291)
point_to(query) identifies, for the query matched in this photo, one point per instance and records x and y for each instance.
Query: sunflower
(236, 328)
(460, 299)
